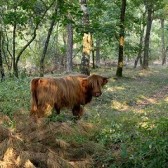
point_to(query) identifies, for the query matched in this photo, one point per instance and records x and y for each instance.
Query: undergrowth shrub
(151, 150)
(147, 147)
(14, 95)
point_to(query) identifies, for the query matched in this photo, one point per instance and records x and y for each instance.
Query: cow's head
(95, 83)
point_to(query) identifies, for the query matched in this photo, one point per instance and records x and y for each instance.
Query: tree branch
(34, 34)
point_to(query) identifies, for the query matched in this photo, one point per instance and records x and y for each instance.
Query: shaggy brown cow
(70, 91)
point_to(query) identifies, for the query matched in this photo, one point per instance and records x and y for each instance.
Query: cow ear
(84, 82)
(105, 80)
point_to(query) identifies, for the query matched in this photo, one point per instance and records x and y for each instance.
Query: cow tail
(34, 99)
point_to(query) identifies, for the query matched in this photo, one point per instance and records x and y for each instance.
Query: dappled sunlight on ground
(166, 99)
(146, 101)
(145, 124)
(145, 73)
(138, 110)
(116, 88)
(119, 106)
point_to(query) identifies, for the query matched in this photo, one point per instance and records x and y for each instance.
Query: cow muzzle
(97, 94)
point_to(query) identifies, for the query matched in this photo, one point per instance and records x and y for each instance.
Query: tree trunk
(15, 69)
(93, 59)
(147, 36)
(1, 61)
(87, 40)
(63, 55)
(69, 47)
(45, 48)
(93, 53)
(47, 42)
(121, 40)
(139, 57)
(6, 52)
(163, 42)
(97, 52)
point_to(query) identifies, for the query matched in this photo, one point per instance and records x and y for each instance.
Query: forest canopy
(39, 36)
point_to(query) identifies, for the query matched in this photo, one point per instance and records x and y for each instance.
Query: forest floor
(126, 127)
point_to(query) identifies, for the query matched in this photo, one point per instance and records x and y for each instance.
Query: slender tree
(53, 20)
(1, 43)
(87, 39)
(141, 40)
(162, 21)
(1, 60)
(6, 52)
(97, 52)
(149, 9)
(121, 39)
(69, 47)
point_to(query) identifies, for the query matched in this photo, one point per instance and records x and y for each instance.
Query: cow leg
(57, 109)
(77, 111)
(41, 111)
(37, 113)
(33, 113)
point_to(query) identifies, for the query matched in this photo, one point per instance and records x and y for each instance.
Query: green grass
(131, 136)
(14, 95)
(141, 134)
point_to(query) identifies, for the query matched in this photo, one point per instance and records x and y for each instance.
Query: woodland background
(40, 36)
(127, 40)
